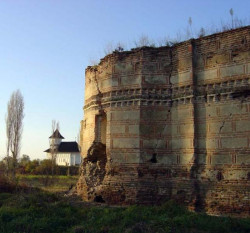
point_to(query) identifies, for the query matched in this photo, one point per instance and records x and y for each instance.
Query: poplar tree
(14, 129)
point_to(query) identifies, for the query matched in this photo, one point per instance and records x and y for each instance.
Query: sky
(45, 46)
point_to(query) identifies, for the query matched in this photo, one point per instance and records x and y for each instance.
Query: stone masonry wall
(177, 125)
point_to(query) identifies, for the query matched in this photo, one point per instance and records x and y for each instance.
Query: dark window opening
(99, 199)
(219, 176)
(153, 159)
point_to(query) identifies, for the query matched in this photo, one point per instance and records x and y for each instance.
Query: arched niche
(101, 128)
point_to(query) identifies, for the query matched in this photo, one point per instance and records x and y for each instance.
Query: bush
(44, 168)
(6, 185)
(31, 166)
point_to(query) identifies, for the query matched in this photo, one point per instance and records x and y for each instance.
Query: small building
(65, 153)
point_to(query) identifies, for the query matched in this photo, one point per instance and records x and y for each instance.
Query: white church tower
(66, 153)
(55, 140)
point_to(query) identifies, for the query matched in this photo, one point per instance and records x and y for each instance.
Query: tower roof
(56, 134)
(66, 147)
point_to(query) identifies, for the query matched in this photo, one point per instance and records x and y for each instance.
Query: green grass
(48, 183)
(46, 212)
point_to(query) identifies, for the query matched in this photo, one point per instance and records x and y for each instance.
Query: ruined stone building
(170, 123)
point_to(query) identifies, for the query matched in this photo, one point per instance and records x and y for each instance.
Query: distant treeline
(37, 167)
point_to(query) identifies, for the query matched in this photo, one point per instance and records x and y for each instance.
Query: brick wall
(177, 123)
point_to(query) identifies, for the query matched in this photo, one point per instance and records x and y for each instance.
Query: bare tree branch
(144, 41)
(14, 129)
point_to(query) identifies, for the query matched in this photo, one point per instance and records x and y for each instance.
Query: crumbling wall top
(136, 51)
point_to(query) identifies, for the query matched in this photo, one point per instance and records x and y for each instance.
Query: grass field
(45, 212)
(48, 183)
(33, 210)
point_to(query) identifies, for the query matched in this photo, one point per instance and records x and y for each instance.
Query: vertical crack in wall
(97, 84)
(99, 95)
(224, 122)
(197, 168)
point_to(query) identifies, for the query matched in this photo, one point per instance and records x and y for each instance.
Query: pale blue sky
(45, 46)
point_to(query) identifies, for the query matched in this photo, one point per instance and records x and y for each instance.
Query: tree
(231, 11)
(25, 159)
(190, 25)
(44, 167)
(4, 164)
(14, 129)
(53, 145)
(202, 32)
(31, 166)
